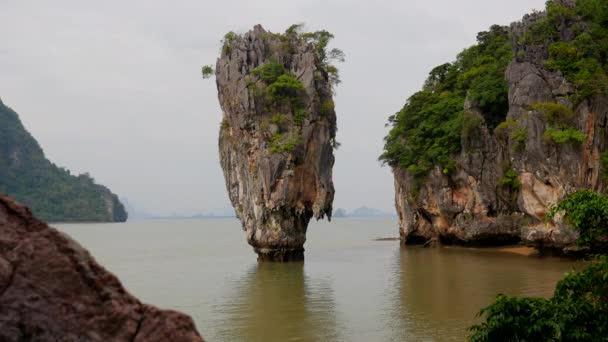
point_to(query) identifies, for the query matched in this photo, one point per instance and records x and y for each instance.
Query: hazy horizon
(114, 88)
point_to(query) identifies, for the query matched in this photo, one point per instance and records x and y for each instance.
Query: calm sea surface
(350, 288)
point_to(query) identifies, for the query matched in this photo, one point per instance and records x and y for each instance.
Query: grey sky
(113, 87)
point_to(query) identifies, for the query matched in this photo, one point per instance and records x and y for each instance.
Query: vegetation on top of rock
(427, 131)
(277, 90)
(582, 59)
(52, 193)
(578, 310)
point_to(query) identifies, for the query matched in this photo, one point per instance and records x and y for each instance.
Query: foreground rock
(277, 136)
(51, 289)
(477, 203)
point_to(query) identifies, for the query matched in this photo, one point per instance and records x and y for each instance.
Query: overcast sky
(113, 87)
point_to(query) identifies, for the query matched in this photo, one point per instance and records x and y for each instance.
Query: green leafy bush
(207, 71)
(563, 136)
(228, 42)
(269, 72)
(520, 136)
(510, 179)
(587, 212)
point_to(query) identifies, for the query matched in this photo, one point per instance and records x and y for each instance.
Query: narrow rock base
(280, 255)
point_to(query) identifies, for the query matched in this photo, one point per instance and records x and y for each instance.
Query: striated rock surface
(277, 137)
(51, 289)
(470, 205)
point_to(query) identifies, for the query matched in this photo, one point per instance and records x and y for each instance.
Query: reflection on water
(277, 302)
(350, 288)
(442, 290)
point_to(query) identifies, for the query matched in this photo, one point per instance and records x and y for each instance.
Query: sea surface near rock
(277, 160)
(51, 289)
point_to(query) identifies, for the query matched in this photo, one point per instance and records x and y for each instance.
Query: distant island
(51, 192)
(363, 212)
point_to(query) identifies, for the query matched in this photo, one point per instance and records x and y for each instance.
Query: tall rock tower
(278, 134)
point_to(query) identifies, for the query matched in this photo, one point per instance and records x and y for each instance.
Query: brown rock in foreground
(51, 289)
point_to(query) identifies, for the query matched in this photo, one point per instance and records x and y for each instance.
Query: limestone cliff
(506, 176)
(277, 135)
(51, 289)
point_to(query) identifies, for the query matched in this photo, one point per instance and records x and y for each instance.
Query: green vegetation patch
(583, 59)
(427, 131)
(564, 136)
(52, 193)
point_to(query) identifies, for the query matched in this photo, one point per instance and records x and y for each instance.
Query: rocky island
(52, 192)
(278, 134)
(497, 137)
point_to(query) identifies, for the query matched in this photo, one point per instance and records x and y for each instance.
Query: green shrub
(556, 113)
(587, 212)
(563, 136)
(269, 72)
(510, 179)
(299, 116)
(280, 143)
(286, 87)
(520, 137)
(207, 71)
(228, 42)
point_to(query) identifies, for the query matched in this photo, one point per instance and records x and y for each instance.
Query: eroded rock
(276, 140)
(51, 289)
(470, 206)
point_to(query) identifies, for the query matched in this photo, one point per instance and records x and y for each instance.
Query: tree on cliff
(578, 310)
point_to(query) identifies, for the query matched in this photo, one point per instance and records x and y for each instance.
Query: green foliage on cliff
(578, 310)
(510, 178)
(587, 212)
(583, 58)
(51, 192)
(427, 131)
(564, 136)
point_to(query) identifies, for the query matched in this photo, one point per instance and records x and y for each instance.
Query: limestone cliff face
(471, 206)
(276, 148)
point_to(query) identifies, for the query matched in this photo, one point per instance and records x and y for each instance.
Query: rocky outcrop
(51, 289)
(472, 205)
(277, 136)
